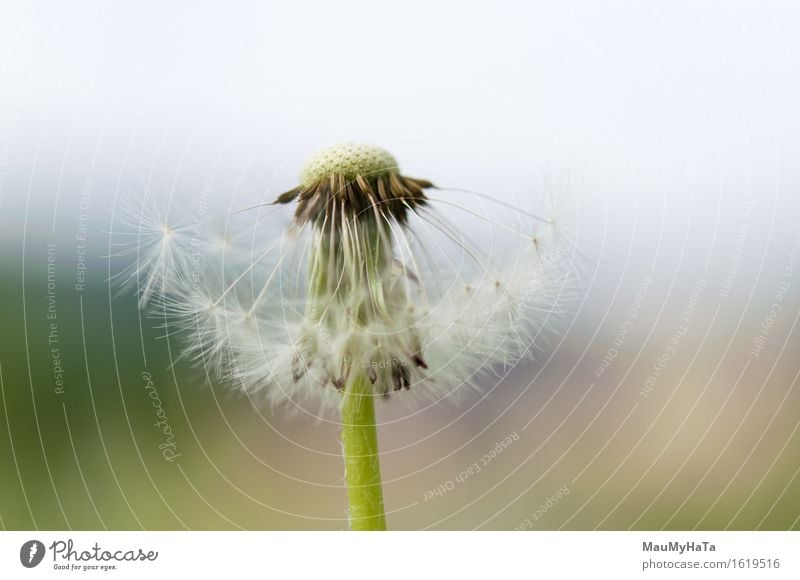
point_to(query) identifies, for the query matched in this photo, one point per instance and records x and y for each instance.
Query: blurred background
(671, 399)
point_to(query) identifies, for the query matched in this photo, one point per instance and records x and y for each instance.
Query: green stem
(361, 462)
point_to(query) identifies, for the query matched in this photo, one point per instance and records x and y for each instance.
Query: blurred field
(706, 449)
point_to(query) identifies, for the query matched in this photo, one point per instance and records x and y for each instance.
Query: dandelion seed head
(372, 278)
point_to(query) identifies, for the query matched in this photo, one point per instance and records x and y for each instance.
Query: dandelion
(370, 291)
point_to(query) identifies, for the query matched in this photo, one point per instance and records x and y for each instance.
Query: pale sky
(681, 117)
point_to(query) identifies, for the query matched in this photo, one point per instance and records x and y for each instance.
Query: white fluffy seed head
(420, 306)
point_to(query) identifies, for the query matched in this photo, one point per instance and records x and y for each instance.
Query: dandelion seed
(373, 291)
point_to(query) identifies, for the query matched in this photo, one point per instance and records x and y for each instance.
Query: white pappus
(376, 273)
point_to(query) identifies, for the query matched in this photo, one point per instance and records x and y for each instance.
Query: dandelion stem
(362, 464)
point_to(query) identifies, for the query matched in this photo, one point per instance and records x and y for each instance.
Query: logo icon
(31, 553)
